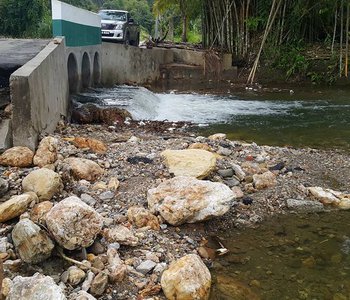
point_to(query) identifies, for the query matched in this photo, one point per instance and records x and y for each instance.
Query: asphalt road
(14, 53)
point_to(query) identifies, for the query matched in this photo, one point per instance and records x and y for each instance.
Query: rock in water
(37, 287)
(73, 223)
(44, 182)
(17, 157)
(265, 180)
(187, 278)
(47, 152)
(188, 200)
(31, 242)
(142, 217)
(325, 196)
(84, 168)
(16, 206)
(191, 162)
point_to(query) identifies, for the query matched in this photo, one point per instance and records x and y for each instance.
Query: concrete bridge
(77, 59)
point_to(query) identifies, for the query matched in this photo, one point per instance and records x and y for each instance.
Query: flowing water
(316, 118)
(287, 257)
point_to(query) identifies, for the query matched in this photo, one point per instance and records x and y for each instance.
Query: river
(286, 257)
(302, 117)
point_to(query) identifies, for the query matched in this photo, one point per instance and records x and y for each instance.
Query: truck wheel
(137, 42)
(127, 40)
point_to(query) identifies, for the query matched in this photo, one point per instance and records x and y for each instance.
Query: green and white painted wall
(79, 27)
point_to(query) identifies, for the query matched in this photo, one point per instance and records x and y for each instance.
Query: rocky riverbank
(110, 212)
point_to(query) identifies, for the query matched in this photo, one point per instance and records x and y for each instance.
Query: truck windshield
(113, 15)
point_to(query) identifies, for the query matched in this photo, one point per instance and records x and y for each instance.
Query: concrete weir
(69, 63)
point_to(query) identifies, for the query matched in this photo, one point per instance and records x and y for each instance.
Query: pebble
(146, 266)
(107, 195)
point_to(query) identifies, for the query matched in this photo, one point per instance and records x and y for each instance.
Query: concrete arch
(97, 69)
(73, 75)
(85, 71)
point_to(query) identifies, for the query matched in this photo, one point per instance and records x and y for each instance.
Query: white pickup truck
(117, 25)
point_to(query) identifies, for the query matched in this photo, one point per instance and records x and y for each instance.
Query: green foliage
(20, 18)
(86, 4)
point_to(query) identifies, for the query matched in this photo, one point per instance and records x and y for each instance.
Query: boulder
(73, 223)
(47, 152)
(44, 182)
(305, 206)
(17, 157)
(325, 196)
(93, 114)
(84, 168)
(16, 206)
(93, 144)
(217, 137)
(191, 162)
(265, 180)
(31, 242)
(36, 287)
(186, 278)
(188, 200)
(120, 234)
(39, 212)
(141, 217)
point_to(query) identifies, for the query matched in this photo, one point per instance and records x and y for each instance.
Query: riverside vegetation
(123, 211)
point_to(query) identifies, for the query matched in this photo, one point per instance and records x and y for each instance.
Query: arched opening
(73, 76)
(85, 71)
(97, 69)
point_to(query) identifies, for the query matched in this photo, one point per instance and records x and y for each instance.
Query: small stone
(4, 186)
(99, 284)
(83, 295)
(17, 157)
(201, 146)
(226, 173)
(146, 266)
(97, 248)
(88, 280)
(107, 195)
(84, 168)
(44, 182)
(344, 204)
(232, 182)
(35, 287)
(31, 242)
(113, 184)
(73, 223)
(5, 288)
(16, 206)
(117, 269)
(75, 275)
(186, 278)
(237, 192)
(142, 217)
(265, 180)
(238, 172)
(93, 144)
(224, 151)
(88, 199)
(47, 152)
(120, 234)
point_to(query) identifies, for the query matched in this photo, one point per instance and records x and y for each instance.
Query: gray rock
(304, 205)
(5, 134)
(226, 173)
(231, 182)
(224, 151)
(146, 266)
(88, 199)
(31, 242)
(37, 287)
(107, 195)
(4, 187)
(82, 295)
(238, 171)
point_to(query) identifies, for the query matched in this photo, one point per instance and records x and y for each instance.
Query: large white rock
(188, 200)
(187, 278)
(325, 196)
(31, 242)
(44, 182)
(37, 287)
(191, 162)
(73, 223)
(84, 168)
(47, 152)
(16, 206)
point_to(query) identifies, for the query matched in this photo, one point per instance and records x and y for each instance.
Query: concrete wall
(39, 93)
(127, 64)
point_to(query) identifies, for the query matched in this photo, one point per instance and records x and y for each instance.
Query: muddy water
(287, 257)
